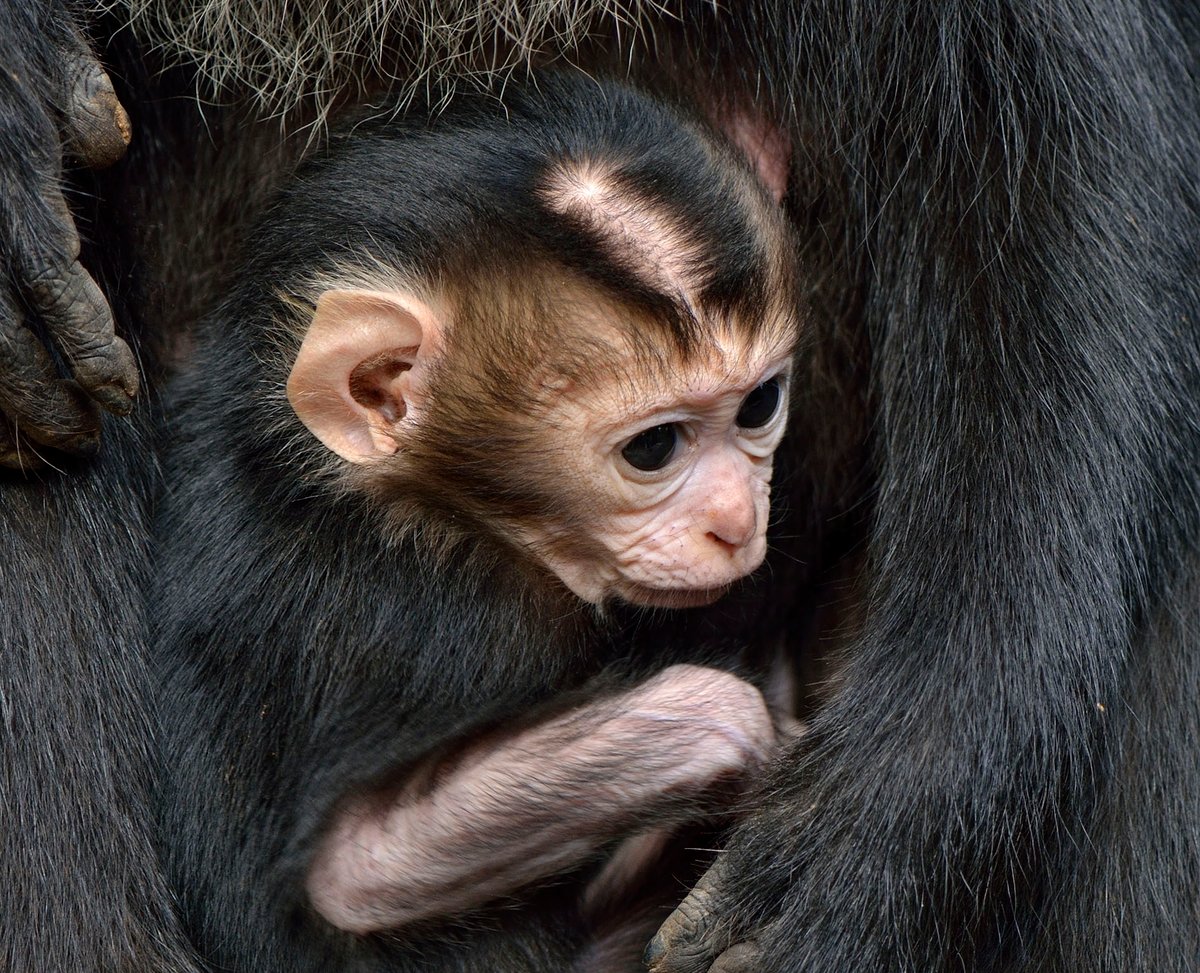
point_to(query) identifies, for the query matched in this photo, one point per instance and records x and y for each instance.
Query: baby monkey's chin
(646, 597)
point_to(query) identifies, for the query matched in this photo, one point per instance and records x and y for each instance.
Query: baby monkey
(600, 387)
(544, 355)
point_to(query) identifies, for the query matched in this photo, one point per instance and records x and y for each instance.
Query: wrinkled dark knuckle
(73, 292)
(47, 287)
(90, 333)
(97, 357)
(126, 377)
(93, 316)
(691, 914)
(91, 349)
(91, 80)
(668, 933)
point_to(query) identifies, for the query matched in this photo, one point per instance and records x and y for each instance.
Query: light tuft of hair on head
(633, 233)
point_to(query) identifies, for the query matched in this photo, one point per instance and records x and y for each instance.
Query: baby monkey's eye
(652, 450)
(759, 407)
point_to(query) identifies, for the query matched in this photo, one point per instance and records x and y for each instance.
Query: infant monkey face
(593, 378)
(643, 475)
(680, 479)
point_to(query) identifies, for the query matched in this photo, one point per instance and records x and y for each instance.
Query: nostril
(726, 547)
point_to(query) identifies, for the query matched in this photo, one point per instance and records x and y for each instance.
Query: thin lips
(672, 597)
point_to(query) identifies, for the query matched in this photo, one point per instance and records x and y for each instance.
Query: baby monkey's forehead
(719, 370)
(728, 352)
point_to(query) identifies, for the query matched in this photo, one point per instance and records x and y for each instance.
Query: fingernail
(115, 398)
(121, 120)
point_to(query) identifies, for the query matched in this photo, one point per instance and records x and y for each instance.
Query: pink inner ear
(373, 382)
(764, 145)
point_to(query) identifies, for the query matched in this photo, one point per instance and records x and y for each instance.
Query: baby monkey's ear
(363, 369)
(763, 143)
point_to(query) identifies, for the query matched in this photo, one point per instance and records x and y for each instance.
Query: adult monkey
(1005, 209)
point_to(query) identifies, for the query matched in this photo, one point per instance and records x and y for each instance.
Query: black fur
(82, 886)
(1001, 216)
(975, 796)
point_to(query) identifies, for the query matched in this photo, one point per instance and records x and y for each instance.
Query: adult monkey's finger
(75, 313)
(695, 934)
(741, 958)
(50, 411)
(97, 126)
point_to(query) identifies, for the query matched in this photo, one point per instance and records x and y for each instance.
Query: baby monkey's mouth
(647, 597)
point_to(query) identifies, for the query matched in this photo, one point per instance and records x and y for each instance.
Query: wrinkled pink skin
(516, 809)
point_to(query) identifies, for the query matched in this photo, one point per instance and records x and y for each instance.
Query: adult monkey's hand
(698, 937)
(55, 100)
